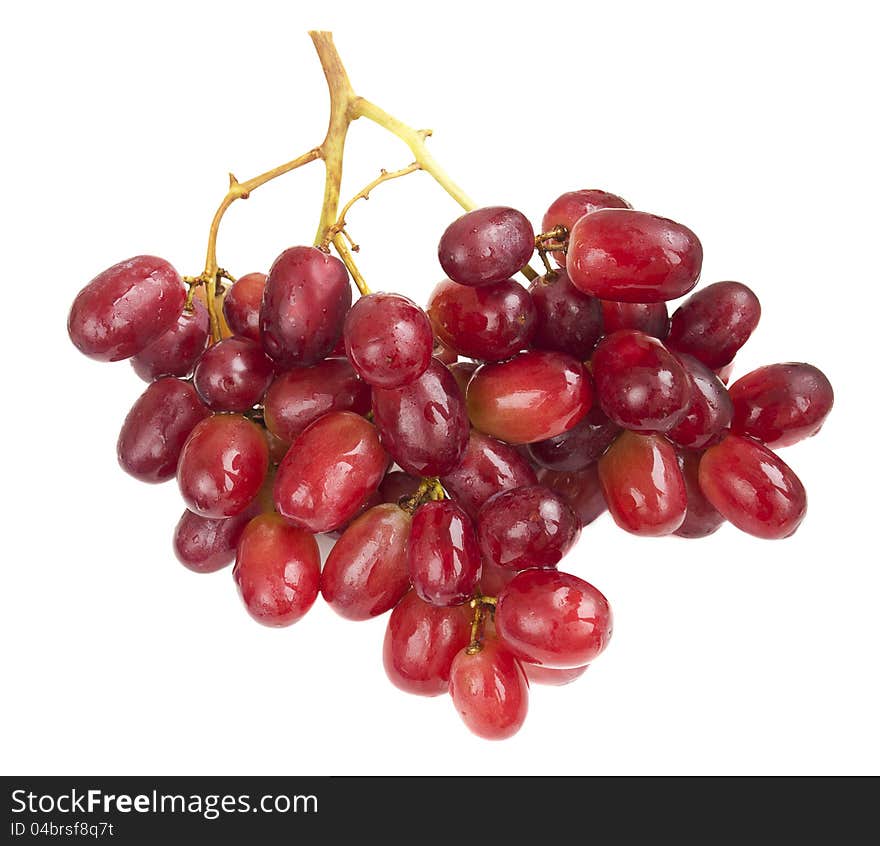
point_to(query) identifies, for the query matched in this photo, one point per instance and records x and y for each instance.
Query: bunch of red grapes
(455, 488)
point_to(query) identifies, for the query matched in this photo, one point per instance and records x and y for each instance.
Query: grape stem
(478, 603)
(430, 490)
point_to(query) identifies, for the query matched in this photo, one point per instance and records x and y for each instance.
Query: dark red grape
(526, 527)
(207, 544)
(580, 489)
(241, 305)
(702, 518)
(753, 488)
(632, 256)
(537, 674)
(125, 308)
(650, 318)
(553, 619)
(493, 579)
(304, 305)
(366, 572)
(233, 375)
(421, 642)
(396, 485)
(175, 352)
(709, 412)
(490, 691)
(715, 322)
(567, 209)
(579, 447)
(444, 560)
(534, 396)
(639, 384)
(462, 371)
(444, 354)
(329, 471)
(223, 465)
(277, 570)
(490, 323)
(643, 485)
(781, 404)
(302, 395)
(487, 467)
(388, 340)
(486, 245)
(156, 429)
(277, 447)
(567, 320)
(423, 425)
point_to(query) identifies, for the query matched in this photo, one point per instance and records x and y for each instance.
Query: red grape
(567, 209)
(702, 518)
(277, 570)
(493, 579)
(304, 305)
(490, 323)
(396, 485)
(233, 375)
(753, 488)
(207, 544)
(175, 352)
(444, 354)
(579, 447)
(567, 320)
(639, 384)
(366, 572)
(534, 396)
(632, 256)
(388, 340)
(490, 691)
(223, 465)
(421, 642)
(444, 560)
(580, 489)
(715, 322)
(156, 429)
(526, 527)
(486, 245)
(241, 305)
(710, 410)
(781, 404)
(537, 674)
(553, 619)
(329, 471)
(487, 467)
(277, 447)
(423, 425)
(650, 318)
(125, 308)
(643, 485)
(462, 371)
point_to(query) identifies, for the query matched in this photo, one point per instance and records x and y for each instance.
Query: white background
(750, 122)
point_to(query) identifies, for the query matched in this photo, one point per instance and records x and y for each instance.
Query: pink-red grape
(537, 674)
(233, 375)
(241, 305)
(709, 412)
(567, 209)
(175, 352)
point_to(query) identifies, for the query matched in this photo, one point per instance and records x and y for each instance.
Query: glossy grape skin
(233, 375)
(277, 570)
(486, 245)
(533, 396)
(175, 352)
(423, 425)
(462, 371)
(702, 518)
(388, 340)
(329, 471)
(421, 642)
(551, 675)
(566, 319)
(366, 572)
(642, 484)
(715, 322)
(709, 412)
(781, 404)
(156, 428)
(300, 396)
(632, 256)
(639, 384)
(650, 318)
(553, 619)
(304, 305)
(579, 447)
(580, 489)
(241, 305)
(125, 308)
(490, 691)
(568, 208)
(443, 556)
(487, 467)
(222, 466)
(753, 488)
(207, 544)
(526, 527)
(489, 323)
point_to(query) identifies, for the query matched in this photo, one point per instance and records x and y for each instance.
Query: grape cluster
(455, 488)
